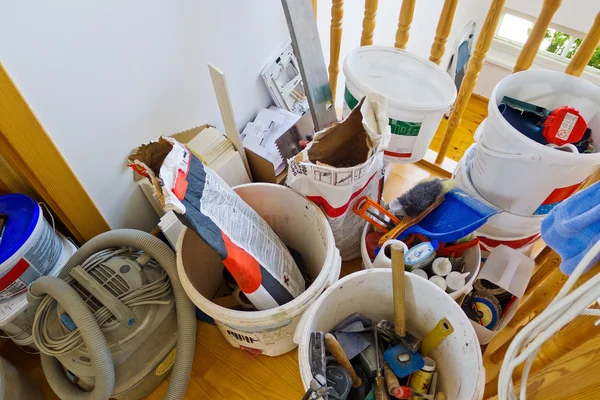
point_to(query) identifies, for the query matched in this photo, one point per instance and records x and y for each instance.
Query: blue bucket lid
(23, 214)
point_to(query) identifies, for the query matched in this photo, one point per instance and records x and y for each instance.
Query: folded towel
(573, 227)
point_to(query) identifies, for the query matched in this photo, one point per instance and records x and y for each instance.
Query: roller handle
(399, 290)
(334, 348)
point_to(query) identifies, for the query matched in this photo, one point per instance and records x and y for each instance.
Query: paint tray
(458, 216)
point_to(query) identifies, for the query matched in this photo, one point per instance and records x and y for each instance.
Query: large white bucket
(302, 226)
(514, 172)
(472, 263)
(13, 312)
(370, 293)
(503, 221)
(419, 92)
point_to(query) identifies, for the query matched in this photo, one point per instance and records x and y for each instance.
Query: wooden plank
(443, 30)
(368, 25)
(27, 148)
(407, 12)
(536, 36)
(231, 129)
(484, 42)
(335, 43)
(586, 49)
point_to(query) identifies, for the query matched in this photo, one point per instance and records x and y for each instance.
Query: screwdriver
(380, 393)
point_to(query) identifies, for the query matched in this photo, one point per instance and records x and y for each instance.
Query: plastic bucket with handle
(369, 292)
(518, 174)
(419, 92)
(302, 226)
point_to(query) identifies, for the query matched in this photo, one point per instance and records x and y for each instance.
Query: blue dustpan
(458, 216)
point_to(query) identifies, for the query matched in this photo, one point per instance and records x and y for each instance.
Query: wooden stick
(399, 290)
(231, 129)
(586, 50)
(484, 42)
(334, 348)
(536, 36)
(443, 30)
(335, 43)
(404, 20)
(315, 4)
(366, 38)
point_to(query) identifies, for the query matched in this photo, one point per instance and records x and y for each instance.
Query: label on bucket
(404, 133)
(43, 253)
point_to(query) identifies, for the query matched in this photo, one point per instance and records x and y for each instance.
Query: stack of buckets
(522, 179)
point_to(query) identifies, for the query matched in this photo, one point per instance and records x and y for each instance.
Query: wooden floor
(221, 372)
(476, 112)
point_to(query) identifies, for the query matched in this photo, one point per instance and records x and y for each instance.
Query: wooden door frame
(27, 149)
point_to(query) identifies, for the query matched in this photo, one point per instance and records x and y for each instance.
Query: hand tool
(380, 218)
(399, 358)
(334, 348)
(318, 360)
(380, 393)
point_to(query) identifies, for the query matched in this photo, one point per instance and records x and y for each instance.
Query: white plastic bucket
(30, 247)
(472, 263)
(370, 293)
(503, 221)
(13, 312)
(521, 243)
(302, 226)
(419, 92)
(514, 172)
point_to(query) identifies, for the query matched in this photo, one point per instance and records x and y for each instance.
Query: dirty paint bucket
(30, 247)
(370, 293)
(472, 263)
(302, 226)
(418, 91)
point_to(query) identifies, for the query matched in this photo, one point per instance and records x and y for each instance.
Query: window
(516, 28)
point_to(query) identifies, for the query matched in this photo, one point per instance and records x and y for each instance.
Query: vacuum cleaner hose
(90, 331)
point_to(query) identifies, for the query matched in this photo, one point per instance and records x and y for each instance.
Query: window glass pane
(557, 41)
(514, 28)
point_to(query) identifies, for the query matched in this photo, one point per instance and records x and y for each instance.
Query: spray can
(421, 380)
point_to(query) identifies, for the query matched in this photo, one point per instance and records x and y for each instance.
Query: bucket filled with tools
(439, 349)
(302, 226)
(419, 92)
(539, 142)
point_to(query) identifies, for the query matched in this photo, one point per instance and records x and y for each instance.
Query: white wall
(104, 76)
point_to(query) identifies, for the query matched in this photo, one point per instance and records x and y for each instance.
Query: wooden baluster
(369, 22)
(406, 16)
(536, 36)
(443, 30)
(315, 4)
(586, 50)
(488, 30)
(335, 41)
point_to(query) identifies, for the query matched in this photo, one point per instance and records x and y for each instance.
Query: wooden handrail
(531, 47)
(443, 31)
(335, 42)
(586, 50)
(404, 20)
(467, 86)
(371, 6)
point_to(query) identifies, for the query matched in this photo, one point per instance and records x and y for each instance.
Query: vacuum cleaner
(116, 321)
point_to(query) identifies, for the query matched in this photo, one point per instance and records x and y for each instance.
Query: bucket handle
(528, 157)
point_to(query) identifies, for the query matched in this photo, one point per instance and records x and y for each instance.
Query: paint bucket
(488, 242)
(504, 221)
(419, 92)
(30, 247)
(472, 263)
(15, 384)
(13, 312)
(370, 293)
(518, 174)
(302, 226)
